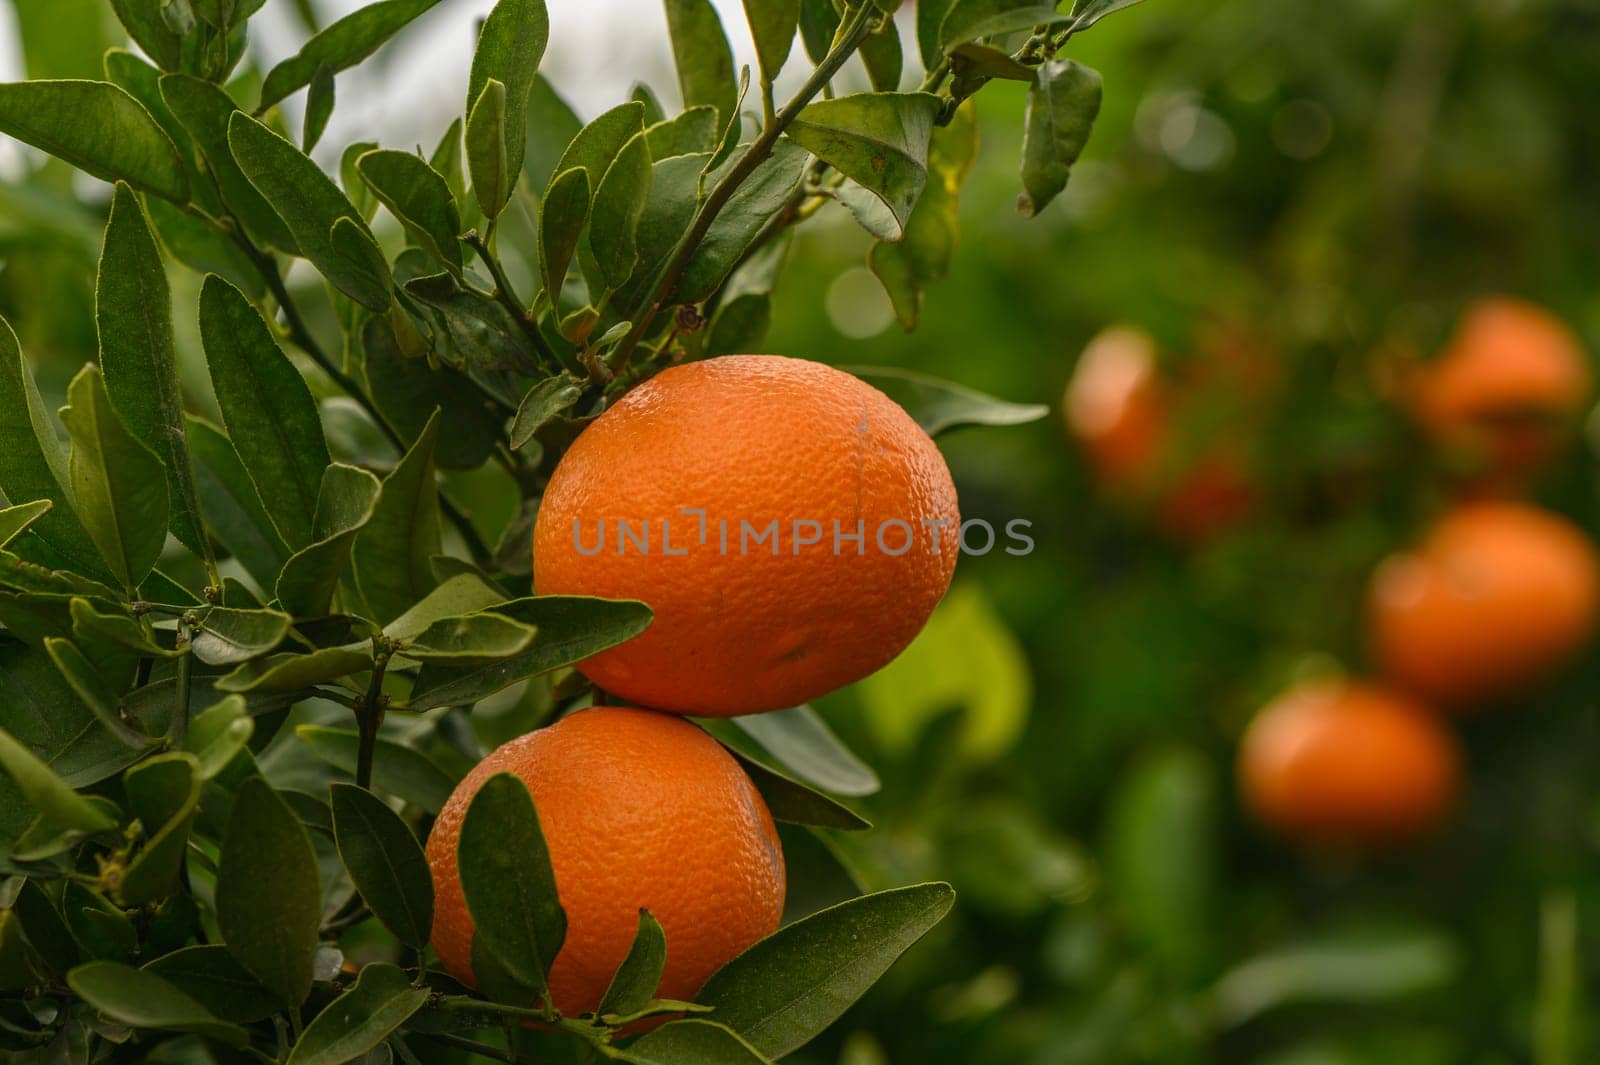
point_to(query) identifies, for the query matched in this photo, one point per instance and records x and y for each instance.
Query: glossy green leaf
(1062, 105)
(142, 81)
(118, 483)
(142, 19)
(804, 745)
(133, 313)
(551, 127)
(44, 928)
(694, 130)
(232, 508)
(940, 405)
(348, 499)
(561, 220)
(14, 521)
(33, 467)
(102, 929)
(509, 886)
(510, 45)
(881, 54)
(310, 205)
(68, 739)
(487, 161)
(693, 1041)
(465, 593)
(319, 108)
(594, 146)
(98, 128)
(392, 553)
(114, 625)
(225, 13)
(47, 793)
(380, 1000)
(481, 331)
(269, 902)
(879, 140)
(633, 987)
(930, 20)
(270, 415)
(420, 198)
(704, 60)
(967, 20)
(407, 392)
(790, 801)
(291, 672)
(218, 733)
(819, 24)
(342, 44)
(787, 988)
(742, 221)
(228, 636)
(473, 640)
(397, 770)
(744, 309)
(569, 629)
(92, 691)
(542, 402)
(385, 862)
(139, 998)
(163, 793)
(618, 203)
(1086, 13)
(210, 975)
(772, 26)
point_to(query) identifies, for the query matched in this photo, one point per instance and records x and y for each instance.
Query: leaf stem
(369, 717)
(507, 296)
(179, 728)
(849, 40)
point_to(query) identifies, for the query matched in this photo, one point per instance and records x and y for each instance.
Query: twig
(849, 40)
(369, 716)
(507, 297)
(179, 727)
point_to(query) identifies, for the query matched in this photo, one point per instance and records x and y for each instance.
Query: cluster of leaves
(172, 589)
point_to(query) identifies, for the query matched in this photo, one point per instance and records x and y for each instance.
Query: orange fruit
(1497, 397)
(1495, 596)
(1346, 763)
(640, 810)
(1116, 404)
(728, 495)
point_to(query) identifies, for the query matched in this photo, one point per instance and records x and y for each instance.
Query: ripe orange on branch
(791, 527)
(1344, 763)
(1496, 596)
(640, 810)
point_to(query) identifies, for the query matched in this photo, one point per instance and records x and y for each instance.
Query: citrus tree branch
(850, 38)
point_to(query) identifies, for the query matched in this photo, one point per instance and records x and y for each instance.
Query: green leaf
(804, 744)
(744, 310)
(1086, 13)
(561, 220)
(57, 803)
(102, 929)
(33, 467)
(205, 111)
(879, 140)
(98, 128)
(229, 636)
(91, 690)
(510, 46)
(881, 55)
(44, 928)
(509, 886)
(292, 672)
(487, 161)
(789, 800)
(163, 793)
(618, 203)
(473, 640)
(787, 988)
(742, 221)
(633, 987)
(703, 58)
(142, 19)
(211, 976)
(143, 82)
(271, 417)
(68, 739)
(692, 131)
(569, 629)
(311, 206)
(594, 146)
(542, 402)
(218, 733)
(401, 771)
(408, 392)
(447, 161)
(483, 333)
(772, 25)
(1062, 105)
(348, 499)
(465, 593)
(14, 521)
(141, 999)
(269, 903)
(319, 108)
(233, 510)
(380, 1000)
(693, 1041)
(819, 24)
(226, 13)
(114, 625)
(551, 127)
(119, 484)
(343, 44)
(930, 19)
(392, 554)
(385, 862)
(967, 20)
(133, 312)
(419, 198)
(940, 405)
(924, 256)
